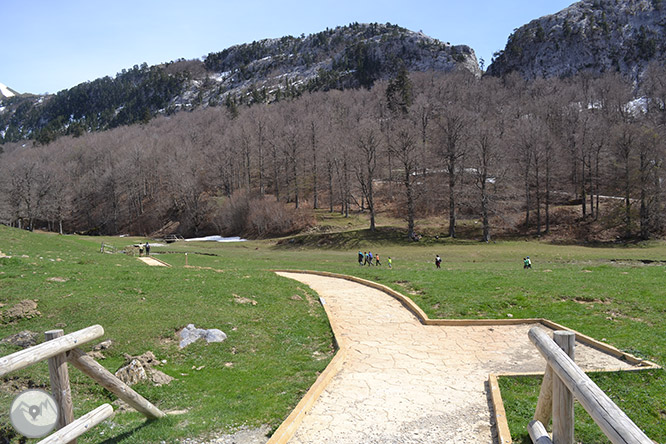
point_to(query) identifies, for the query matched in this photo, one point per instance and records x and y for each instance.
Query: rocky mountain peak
(590, 35)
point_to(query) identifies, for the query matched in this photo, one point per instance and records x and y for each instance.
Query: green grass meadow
(277, 347)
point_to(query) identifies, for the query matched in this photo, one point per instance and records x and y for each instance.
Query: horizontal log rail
(79, 426)
(31, 355)
(614, 423)
(538, 433)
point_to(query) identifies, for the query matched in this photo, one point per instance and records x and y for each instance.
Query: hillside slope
(591, 35)
(345, 57)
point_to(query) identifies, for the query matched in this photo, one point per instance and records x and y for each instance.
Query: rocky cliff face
(591, 35)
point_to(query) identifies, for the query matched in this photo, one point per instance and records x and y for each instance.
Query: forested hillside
(504, 152)
(261, 72)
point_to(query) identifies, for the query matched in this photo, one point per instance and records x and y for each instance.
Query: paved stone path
(403, 382)
(151, 261)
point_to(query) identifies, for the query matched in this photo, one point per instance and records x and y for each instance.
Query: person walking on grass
(377, 260)
(390, 262)
(147, 249)
(360, 258)
(365, 258)
(369, 257)
(438, 261)
(528, 262)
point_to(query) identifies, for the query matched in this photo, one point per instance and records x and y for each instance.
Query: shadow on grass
(120, 438)
(354, 239)
(345, 239)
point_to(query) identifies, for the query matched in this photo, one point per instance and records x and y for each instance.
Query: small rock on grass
(103, 345)
(140, 368)
(23, 339)
(25, 309)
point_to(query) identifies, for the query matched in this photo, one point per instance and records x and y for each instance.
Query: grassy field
(273, 353)
(276, 347)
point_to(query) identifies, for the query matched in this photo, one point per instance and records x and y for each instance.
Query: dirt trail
(403, 382)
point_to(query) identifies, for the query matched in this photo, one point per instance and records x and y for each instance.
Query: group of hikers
(145, 247)
(527, 263)
(366, 258)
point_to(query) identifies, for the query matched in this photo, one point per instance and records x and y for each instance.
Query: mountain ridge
(268, 70)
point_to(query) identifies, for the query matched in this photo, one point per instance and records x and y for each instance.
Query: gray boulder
(215, 335)
(191, 334)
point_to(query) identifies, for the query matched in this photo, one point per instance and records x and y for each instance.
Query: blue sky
(53, 45)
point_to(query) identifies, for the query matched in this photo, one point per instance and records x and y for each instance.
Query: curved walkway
(402, 382)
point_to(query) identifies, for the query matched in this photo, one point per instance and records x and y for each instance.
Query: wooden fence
(107, 248)
(563, 381)
(61, 349)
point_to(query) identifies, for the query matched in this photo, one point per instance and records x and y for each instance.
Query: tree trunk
(330, 186)
(410, 203)
(527, 195)
(596, 181)
(644, 216)
(538, 195)
(627, 199)
(346, 187)
(452, 197)
(315, 194)
(484, 206)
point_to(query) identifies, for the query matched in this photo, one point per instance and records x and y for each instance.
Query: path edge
(289, 426)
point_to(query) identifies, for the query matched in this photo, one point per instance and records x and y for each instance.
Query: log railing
(107, 248)
(60, 349)
(564, 381)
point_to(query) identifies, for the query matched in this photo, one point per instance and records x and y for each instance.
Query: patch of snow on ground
(221, 77)
(216, 239)
(637, 106)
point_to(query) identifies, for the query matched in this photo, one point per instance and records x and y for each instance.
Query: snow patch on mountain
(5, 92)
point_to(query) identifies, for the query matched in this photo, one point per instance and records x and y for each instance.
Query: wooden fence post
(59, 377)
(615, 424)
(563, 400)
